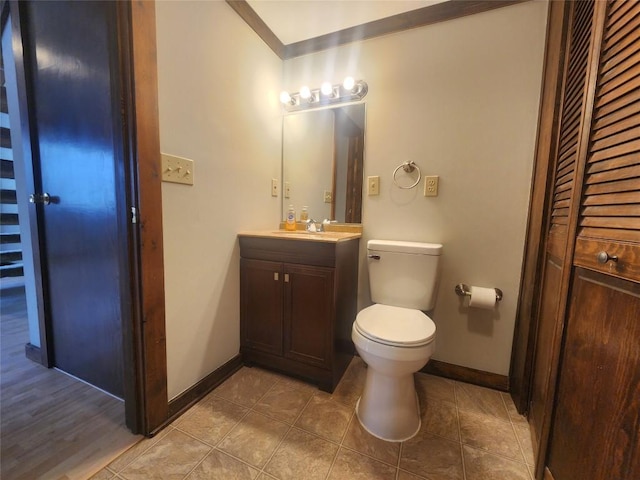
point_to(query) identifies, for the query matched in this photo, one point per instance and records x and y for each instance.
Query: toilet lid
(395, 325)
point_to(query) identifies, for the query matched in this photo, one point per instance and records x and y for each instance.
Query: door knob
(603, 257)
(43, 198)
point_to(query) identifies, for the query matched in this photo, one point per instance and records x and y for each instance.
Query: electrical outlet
(328, 196)
(287, 190)
(177, 169)
(274, 187)
(373, 185)
(431, 186)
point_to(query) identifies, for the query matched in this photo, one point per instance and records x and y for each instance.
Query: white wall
(218, 101)
(459, 98)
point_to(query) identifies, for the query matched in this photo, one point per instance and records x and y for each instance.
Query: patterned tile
(352, 383)
(138, 449)
(432, 457)
(350, 465)
(248, 419)
(325, 417)
(515, 417)
(173, 457)
(254, 439)
(488, 433)
(440, 418)
(302, 455)
(246, 386)
(472, 398)
(524, 437)
(104, 474)
(220, 465)
(211, 419)
(436, 388)
(283, 402)
(362, 441)
(481, 465)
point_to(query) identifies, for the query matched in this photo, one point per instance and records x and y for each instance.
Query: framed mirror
(323, 163)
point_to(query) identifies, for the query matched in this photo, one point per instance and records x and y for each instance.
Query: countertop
(330, 237)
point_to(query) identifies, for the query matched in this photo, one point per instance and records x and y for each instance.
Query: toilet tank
(404, 274)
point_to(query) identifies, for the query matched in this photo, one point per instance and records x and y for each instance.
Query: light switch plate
(373, 185)
(177, 169)
(274, 187)
(431, 185)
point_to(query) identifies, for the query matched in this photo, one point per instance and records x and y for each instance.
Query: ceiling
(298, 20)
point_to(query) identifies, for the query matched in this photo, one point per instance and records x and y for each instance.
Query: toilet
(394, 337)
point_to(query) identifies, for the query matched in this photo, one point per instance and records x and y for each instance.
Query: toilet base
(389, 408)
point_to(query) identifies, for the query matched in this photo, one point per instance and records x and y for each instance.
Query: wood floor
(52, 426)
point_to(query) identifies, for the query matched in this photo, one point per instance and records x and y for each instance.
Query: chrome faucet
(313, 226)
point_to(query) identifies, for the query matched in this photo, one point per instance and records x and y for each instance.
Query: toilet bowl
(395, 343)
(394, 337)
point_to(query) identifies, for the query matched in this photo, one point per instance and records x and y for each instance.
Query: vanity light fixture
(328, 94)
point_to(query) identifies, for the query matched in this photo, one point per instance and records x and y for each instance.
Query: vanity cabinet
(298, 303)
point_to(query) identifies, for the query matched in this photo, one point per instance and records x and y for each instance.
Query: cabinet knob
(603, 257)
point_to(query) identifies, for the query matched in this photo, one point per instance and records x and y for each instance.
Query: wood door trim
(421, 17)
(149, 328)
(524, 337)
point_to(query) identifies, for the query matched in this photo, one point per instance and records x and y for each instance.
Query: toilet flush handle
(374, 257)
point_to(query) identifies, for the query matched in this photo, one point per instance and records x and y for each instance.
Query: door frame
(144, 334)
(526, 327)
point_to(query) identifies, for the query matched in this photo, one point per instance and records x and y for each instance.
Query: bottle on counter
(290, 223)
(304, 214)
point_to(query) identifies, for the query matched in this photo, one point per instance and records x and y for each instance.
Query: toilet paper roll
(482, 297)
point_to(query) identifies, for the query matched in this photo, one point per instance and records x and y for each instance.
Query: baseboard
(197, 392)
(468, 375)
(33, 353)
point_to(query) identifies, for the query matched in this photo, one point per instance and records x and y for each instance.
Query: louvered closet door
(610, 208)
(567, 150)
(595, 426)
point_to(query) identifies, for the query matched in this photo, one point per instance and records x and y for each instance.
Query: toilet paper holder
(463, 290)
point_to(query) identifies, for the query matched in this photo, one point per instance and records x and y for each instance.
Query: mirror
(322, 163)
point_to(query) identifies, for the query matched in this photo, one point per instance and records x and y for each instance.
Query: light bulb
(305, 92)
(285, 97)
(326, 88)
(348, 83)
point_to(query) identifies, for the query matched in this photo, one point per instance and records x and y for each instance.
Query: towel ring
(407, 167)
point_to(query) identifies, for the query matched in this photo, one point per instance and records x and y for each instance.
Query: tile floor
(264, 426)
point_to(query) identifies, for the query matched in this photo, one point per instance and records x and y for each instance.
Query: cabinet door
(308, 314)
(261, 305)
(595, 430)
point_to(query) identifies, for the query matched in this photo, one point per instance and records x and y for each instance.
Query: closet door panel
(595, 433)
(610, 207)
(561, 233)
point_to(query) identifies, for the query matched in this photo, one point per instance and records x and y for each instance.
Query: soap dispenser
(290, 223)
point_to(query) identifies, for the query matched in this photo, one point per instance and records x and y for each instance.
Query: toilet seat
(395, 326)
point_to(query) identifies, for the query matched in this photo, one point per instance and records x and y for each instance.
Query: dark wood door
(596, 426)
(558, 250)
(71, 48)
(261, 305)
(596, 430)
(308, 314)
